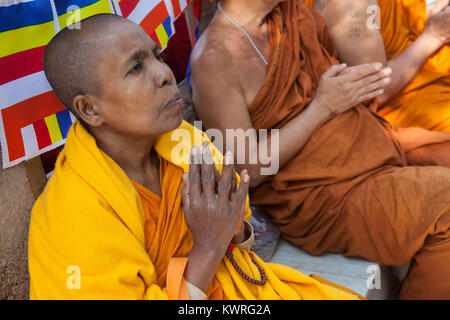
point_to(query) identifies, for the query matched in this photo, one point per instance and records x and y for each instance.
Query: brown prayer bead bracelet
(261, 282)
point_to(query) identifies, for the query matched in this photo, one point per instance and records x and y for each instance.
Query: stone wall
(19, 187)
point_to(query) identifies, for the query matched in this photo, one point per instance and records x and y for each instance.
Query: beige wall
(19, 187)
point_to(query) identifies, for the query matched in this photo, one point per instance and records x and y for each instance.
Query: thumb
(334, 70)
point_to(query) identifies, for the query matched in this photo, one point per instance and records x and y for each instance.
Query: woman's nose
(164, 76)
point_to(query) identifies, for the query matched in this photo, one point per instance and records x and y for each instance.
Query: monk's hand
(214, 210)
(438, 23)
(342, 88)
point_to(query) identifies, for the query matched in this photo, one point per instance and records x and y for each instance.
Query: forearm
(202, 265)
(408, 64)
(292, 138)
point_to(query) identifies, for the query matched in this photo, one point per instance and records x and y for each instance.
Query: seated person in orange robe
(410, 39)
(116, 220)
(348, 182)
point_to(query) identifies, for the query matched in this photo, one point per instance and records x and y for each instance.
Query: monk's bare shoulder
(212, 55)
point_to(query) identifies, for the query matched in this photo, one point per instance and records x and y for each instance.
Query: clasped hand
(213, 205)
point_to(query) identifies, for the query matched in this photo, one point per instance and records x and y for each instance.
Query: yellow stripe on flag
(53, 128)
(26, 38)
(162, 35)
(102, 6)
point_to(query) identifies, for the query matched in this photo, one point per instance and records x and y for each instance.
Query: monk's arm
(356, 37)
(353, 24)
(220, 104)
(408, 64)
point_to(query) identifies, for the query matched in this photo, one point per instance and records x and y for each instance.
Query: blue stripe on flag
(25, 14)
(64, 122)
(62, 5)
(167, 26)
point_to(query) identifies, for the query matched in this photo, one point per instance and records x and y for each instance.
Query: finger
(195, 187)
(334, 70)
(207, 171)
(374, 86)
(242, 191)
(224, 186)
(369, 80)
(370, 96)
(185, 195)
(233, 183)
(358, 72)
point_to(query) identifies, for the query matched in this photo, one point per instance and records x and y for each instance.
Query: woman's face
(139, 95)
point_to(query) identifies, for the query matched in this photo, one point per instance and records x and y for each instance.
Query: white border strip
(22, 89)
(142, 9)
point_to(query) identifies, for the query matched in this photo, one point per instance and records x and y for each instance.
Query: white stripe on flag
(22, 89)
(30, 142)
(7, 3)
(169, 7)
(142, 10)
(115, 7)
(183, 4)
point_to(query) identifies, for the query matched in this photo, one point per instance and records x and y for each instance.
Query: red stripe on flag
(127, 6)
(176, 8)
(21, 64)
(155, 18)
(23, 114)
(155, 38)
(42, 134)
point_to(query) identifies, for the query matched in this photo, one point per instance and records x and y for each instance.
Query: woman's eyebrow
(138, 54)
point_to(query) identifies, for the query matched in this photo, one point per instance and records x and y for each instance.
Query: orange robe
(349, 190)
(425, 102)
(165, 214)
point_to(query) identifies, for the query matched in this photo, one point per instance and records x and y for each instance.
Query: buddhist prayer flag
(152, 16)
(32, 119)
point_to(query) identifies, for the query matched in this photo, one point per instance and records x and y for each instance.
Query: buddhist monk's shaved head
(71, 58)
(110, 74)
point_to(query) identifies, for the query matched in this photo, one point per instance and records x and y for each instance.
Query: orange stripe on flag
(155, 18)
(23, 114)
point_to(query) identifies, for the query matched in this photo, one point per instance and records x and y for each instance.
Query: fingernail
(378, 66)
(387, 71)
(343, 64)
(246, 178)
(387, 80)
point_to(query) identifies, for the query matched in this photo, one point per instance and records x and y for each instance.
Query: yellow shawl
(87, 238)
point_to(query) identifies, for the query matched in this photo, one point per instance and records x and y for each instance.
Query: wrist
(431, 40)
(242, 235)
(321, 109)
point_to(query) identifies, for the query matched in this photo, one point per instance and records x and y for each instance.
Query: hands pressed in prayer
(438, 22)
(214, 210)
(342, 88)
(213, 205)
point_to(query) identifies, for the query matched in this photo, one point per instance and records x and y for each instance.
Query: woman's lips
(176, 100)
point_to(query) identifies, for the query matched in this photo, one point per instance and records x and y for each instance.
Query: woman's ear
(87, 110)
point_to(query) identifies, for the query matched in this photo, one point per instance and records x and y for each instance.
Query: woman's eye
(137, 67)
